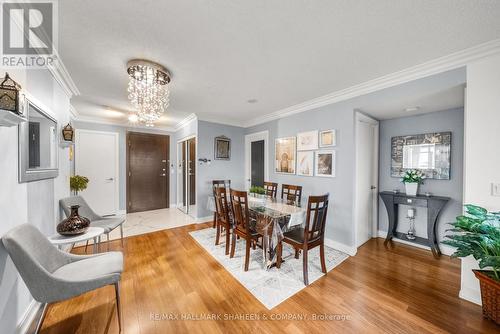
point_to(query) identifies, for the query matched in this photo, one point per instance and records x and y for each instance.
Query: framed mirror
(38, 150)
(430, 153)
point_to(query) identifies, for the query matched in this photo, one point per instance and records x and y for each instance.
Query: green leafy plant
(413, 176)
(78, 183)
(257, 190)
(478, 234)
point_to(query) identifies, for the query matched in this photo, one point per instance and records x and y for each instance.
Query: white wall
(482, 142)
(34, 202)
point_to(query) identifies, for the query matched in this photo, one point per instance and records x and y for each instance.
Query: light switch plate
(495, 189)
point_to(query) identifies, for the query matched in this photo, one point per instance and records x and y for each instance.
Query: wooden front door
(147, 171)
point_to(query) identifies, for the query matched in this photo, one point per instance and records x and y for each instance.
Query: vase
(74, 224)
(411, 188)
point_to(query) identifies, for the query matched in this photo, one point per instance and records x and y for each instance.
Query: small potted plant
(78, 183)
(257, 192)
(479, 235)
(411, 179)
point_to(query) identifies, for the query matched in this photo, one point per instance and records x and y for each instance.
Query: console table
(434, 205)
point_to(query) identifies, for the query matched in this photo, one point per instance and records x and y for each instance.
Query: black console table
(434, 205)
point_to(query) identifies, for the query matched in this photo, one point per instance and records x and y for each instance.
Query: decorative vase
(411, 188)
(74, 224)
(490, 295)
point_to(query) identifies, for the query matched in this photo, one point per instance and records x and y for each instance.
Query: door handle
(373, 187)
(163, 174)
(109, 179)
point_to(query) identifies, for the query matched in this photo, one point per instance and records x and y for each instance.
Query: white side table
(92, 233)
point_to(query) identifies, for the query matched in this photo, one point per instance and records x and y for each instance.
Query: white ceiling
(222, 54)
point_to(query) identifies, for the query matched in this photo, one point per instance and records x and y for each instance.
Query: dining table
(271, 217)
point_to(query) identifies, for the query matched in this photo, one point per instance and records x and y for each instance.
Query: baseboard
(172, 205)
(471, 295)
(445, 249)
(341, 247)
(30, 318)
(200, 220)
(121, 212)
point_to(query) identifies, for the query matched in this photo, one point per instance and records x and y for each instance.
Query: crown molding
(221, 120)
(191, 117)
(62, 76)
(73, 113)
(95, 120)
(439, 65)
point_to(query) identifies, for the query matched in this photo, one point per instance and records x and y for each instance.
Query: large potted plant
(78, 183)
(478, 234)
(411, 179)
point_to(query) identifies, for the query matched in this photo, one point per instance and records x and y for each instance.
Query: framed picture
(327, 138)
(305, 163)
(284, 155)
(222, 148)
(307, 141)
(325, 163)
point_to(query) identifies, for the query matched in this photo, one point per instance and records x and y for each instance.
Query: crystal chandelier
(148, 89)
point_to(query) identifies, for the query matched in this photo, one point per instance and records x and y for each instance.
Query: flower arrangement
(413, 176)
(78, 183)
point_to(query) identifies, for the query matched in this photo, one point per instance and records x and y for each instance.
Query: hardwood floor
(167, 274)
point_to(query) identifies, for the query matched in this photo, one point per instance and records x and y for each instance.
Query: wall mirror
(38, 151)
(430, 152)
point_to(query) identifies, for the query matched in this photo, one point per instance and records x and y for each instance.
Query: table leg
(95, 245)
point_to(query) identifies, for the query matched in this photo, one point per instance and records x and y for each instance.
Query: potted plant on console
(78, 183)
(412, 179)
(479, 235)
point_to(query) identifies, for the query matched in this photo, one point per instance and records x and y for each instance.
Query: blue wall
(449, 120)
(340, 116)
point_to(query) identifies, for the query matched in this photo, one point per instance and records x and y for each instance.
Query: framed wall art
(285, 155)
(307, 141)
(222, 148)
(325, 163)
(327, 138)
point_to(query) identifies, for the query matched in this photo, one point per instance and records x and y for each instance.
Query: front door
(257, 163)
(148, 172)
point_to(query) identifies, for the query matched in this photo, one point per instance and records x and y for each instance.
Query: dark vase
(74, 224)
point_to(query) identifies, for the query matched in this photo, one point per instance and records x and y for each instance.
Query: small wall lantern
(9, 95)
(68, 133)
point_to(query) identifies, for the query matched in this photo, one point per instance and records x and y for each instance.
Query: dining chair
(223, 217)
(271, 189)
(108, 224)
(242, 229)
(310, 236)
(226, 184)
(52, 275)
(291, 193)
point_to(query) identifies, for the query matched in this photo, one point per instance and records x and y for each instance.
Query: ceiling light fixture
(412, 109)
(133, 118)
(148, 89)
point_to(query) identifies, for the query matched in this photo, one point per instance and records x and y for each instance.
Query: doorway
(147, 171)
(366, 198)
(256, 159)
(96, 157)
(186, 176)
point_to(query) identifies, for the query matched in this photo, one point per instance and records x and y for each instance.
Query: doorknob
(163, 174)
(373, 187)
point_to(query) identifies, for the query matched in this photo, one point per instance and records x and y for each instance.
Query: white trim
(62, 76)
(28, 317)
(438, 65)
(445, 249)
(86, 119)
(73, 113)
(186, 138)
(249, 138)
(471, 295)
(117, 157)
(361, 117)
(121, 212)
(191, 117)
(341, 247)
(172, 205)
(222, 120)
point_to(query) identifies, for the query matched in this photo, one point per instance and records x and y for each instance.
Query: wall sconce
(68, 133)
(204, 161)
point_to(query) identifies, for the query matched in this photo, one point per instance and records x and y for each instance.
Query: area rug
(271, 287)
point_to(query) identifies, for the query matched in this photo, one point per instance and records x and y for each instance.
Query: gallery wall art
(307, 141)
(327, 138)
(325, 163)
(222, 148)
(285, 155)
(305, 163)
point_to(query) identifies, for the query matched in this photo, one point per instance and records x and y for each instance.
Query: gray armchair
(52, 275)
(108, 224)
